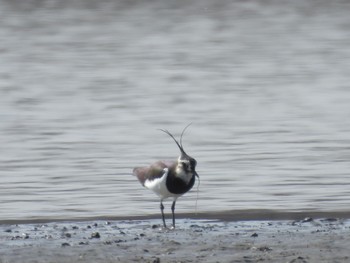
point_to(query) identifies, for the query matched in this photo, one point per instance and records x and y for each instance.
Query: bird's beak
(195, 174)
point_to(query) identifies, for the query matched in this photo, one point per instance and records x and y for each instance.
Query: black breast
(177, 186)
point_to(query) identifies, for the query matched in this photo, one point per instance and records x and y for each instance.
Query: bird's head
(186, 165)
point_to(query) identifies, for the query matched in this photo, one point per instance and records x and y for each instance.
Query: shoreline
(194, 240)
(234, 215)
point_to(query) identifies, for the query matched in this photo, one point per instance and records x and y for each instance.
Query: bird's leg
(173, 212)
(162, 210)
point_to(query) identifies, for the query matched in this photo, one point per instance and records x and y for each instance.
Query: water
(84, 86)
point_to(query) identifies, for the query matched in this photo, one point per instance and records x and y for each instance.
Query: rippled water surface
(84, 86)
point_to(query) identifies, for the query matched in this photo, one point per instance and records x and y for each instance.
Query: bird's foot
(163, 228)
(160, 227)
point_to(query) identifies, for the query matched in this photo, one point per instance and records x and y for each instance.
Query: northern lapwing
(169, 179)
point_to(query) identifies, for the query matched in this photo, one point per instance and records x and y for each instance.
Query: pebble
(264, 249)
(254, 235)
(95, 235)
(298, 260)
(307, 219)
(65, 245)
(329, 220)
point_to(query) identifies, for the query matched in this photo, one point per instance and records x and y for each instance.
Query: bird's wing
(156, 170)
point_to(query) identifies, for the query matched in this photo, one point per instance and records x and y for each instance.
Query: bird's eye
(193, 163)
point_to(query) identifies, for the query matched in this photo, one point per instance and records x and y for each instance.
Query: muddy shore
(310, 239)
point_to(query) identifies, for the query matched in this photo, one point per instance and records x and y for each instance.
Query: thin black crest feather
(167, 132)
(182, 133)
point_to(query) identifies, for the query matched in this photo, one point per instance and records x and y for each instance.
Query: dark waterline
(253, 215)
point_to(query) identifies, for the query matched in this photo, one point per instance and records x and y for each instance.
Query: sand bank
(194, 240)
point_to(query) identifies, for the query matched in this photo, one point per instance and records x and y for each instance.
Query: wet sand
(310, 239)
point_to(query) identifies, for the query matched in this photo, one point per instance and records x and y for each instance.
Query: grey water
(84, 86)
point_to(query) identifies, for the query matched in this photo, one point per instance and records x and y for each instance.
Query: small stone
(254, 235)
(154, 226)
(264, 249)
(298, 260)
(95, 225)
(75, 227)
(83, 243)
(329, 219)
(95, 235)
(25, 236)
(65, 245)
(307, 219)
(142, 235)
(68, 235)
(8, 231)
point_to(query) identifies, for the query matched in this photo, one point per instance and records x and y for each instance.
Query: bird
(169, 179)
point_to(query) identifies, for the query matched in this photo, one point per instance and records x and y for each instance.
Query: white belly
(158, 186)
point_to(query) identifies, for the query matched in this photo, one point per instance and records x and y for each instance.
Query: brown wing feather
(151, 172)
